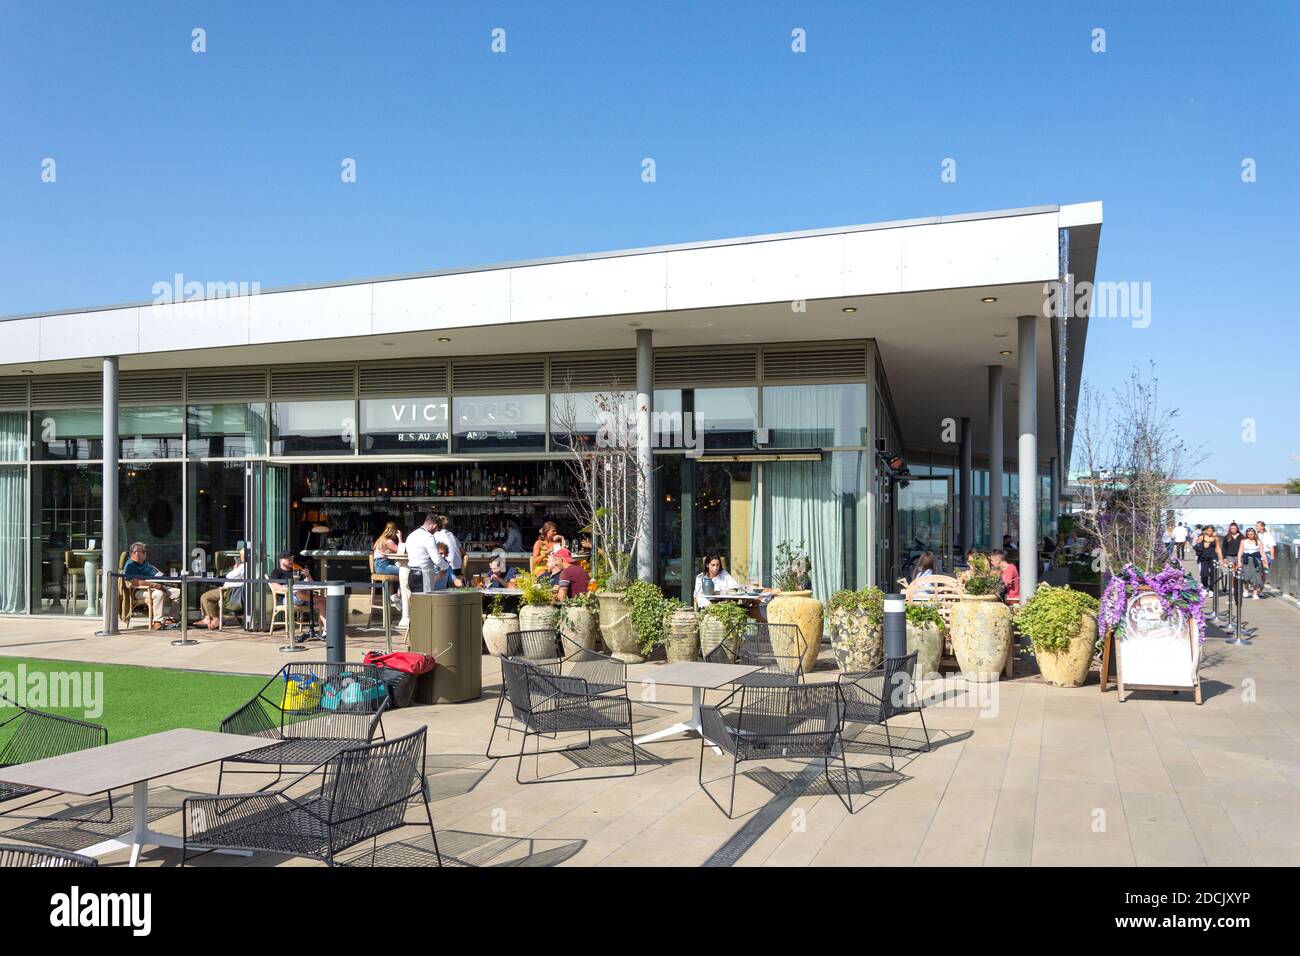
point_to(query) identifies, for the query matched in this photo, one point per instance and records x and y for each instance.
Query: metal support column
(967, 492)
(645, 398)
(108, 588)
(1027, 461)
(996, 457)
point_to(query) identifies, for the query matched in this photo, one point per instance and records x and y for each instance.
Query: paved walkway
(1038, 775)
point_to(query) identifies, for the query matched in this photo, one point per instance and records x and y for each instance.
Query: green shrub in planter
(721, 621)
(649, 610)
(857, 628)
(1061, 625)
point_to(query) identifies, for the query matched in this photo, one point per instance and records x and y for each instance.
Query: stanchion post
(336, 617)
(895, 626)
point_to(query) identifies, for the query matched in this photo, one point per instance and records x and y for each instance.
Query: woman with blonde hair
(386, 545)
(542, 547)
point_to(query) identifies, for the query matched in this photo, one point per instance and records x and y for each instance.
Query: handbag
(408, 661)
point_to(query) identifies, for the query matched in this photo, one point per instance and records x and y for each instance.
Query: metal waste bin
(449, 626)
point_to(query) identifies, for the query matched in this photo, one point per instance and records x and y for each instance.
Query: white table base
(691, 724)
(140, 834)
(92, 589)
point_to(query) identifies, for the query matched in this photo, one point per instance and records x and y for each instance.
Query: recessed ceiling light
(25, 371)
(849, 309)
(1001, 335)
(989, 298)
(443, 338)
(1005, 352)
(634, 325)
(389, 344)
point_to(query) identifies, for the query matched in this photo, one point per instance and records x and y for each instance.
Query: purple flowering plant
(1174, 587)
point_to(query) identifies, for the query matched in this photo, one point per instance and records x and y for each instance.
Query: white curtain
(13, 512)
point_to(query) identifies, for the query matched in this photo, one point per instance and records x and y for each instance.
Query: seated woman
(924, 568)
(718, 580)
(386, 545)
(210, 601)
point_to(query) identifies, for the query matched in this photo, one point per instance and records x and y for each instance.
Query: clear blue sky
(225, 165)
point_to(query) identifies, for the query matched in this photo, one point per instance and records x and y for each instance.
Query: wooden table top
(90, 772)
(696, 674)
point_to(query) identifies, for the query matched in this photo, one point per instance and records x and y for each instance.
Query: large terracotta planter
(980, 627)
(616, 627)
(927, 641)
(539, 617)
(495, 629)
(712, 633)
(579, 625)
(798, 607)
(682, 642)
(856, 644)
(1069, 668)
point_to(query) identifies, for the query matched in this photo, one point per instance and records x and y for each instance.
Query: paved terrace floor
(1040, 776)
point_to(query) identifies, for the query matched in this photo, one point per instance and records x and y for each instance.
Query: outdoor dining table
(132, 763)
(699, 676)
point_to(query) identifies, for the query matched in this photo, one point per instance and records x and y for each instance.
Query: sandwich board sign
(1157, 649)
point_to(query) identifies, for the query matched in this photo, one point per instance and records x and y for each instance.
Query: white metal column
(1027, 463)
(645, 398)
(108, 590)
(967, 500)
(996, 457)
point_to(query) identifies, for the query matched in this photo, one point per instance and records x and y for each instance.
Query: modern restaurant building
(306, 417)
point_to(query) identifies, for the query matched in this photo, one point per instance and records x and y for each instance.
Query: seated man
(499, 576)
(1010, 575)
(572, 579)
(287, 572)
(138, 573)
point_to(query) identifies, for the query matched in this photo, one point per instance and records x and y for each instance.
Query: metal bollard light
(336, 616)
(895, 626)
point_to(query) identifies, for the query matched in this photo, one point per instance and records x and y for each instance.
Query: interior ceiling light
(850, 309)
(1005, 352)
(443, 338)
(989, 299)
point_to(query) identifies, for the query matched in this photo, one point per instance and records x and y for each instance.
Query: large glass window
(233, 430)
(730, 416)
(313, 428)
(816, 416)
(150, 432)
(216, 512)
(67, 434)
(67, 502)
(149, 510)
(13, 537)
(411, 425)
(13, 436)
(499, 423)
(723, 513)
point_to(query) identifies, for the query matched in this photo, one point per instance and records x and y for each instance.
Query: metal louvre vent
(487, 376)
(68, 391)
(702, 368)
(593, 371)
(13, 393)
(226, 385)
(411, 377)
(313, 381)
(810, 365)
(151, 387)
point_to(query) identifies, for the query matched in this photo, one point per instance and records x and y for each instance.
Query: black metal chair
(777, 648)
(873, 697)
(364, 794)
(547, 704)
(777, 723)
(604, 674)
(313, 711)
(541, 648)
(12, 856)
(35, 735)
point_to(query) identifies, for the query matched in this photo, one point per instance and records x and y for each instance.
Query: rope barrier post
(185, 640)
(336, 617)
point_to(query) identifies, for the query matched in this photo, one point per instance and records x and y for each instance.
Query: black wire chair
(364, 794)
(35, 735)
(777, 723)
(314, 711)
(873, 697)
(556, 654)
(12, 856)
(777, 648)
(547, 704)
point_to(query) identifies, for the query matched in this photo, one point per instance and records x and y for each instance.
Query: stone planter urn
(495, 629)
(927, 641)
(980, 626)
(578, 624)
(682, 642)
(712, 633)
(616, 627)
(539, 617)
(798, 607)
(856, 644)
(1069, 668)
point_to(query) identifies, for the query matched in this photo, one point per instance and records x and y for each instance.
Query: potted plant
(536, 612)
(497, 623)
(649, 612)
(1061, 625)
(578, 620)
(925, 633)
(721, 621)
(681, 632)
(794, 602)
(857, 628)
(980, 624)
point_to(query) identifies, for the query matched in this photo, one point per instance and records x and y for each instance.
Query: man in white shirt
(1180, 539)
(1268, 545)
(444, 535)
(421, 552)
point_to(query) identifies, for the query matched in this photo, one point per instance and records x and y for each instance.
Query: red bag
(406, 661)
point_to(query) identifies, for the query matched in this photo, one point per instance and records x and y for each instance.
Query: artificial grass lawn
(141, 700)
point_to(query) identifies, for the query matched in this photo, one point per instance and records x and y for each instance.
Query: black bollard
(895, 626)
(336, 618)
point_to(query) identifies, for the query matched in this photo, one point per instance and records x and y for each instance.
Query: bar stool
(377, 582)
(74, 566)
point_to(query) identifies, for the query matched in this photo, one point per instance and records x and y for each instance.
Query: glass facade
(236, 430)
(410, 425)
(66, 532)
(499, 423)
(313, 428)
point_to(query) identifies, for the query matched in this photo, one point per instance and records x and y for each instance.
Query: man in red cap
(572, 580)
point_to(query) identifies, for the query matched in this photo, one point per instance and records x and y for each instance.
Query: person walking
(1269, 545)
(1180, 541)
(1252, 562)
(1208, 555)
